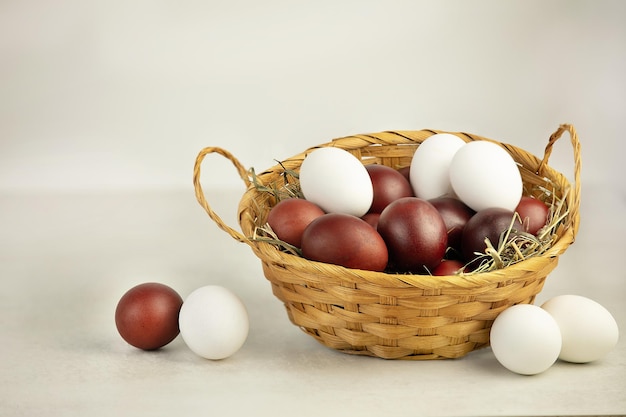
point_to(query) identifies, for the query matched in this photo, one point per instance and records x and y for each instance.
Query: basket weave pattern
(398, 316)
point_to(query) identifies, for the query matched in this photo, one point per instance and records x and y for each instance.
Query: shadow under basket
(398, 316)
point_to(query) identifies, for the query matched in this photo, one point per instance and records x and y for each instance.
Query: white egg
(337, 181)
(213, 322)
(430, 166)
(484, 175)
(588, 330)
(525, 339)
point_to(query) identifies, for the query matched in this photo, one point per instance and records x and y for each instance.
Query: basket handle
(575, 193)
(200, 196)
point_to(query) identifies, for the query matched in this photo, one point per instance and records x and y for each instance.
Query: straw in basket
(399, 316)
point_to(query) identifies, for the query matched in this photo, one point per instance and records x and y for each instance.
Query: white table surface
(65, 260)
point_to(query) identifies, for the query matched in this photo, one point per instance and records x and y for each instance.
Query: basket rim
(516, 272)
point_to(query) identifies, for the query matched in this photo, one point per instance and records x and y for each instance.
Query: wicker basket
(398, 316)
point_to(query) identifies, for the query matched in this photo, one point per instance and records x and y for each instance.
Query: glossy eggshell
(525, 339)
(389, 185)
(406, 173)
(147, 315)
(415, 234)
(484, 175)
(337, 181)
(214, 322)
(372, 219)
(346, 240)
(448, 267)
(487, 223)
(455, 215)
(430, 165)
(290, 217)
(533, 213)
(588, 330)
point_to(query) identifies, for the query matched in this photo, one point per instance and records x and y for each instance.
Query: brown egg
(345, 240)
(406, 172)
(371, 219)
(455, 215)
(534, 214)
(290, 217)
(147, 315)
(448, 267)
(415, 235)
(488, 223)
(388, 184)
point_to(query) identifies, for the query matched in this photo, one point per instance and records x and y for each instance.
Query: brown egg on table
(147, 315)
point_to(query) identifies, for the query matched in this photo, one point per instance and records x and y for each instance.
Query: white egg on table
(337, 181)
(484, 175)
(525, 339)
(588, 329)
(213, 322)
(430, 166)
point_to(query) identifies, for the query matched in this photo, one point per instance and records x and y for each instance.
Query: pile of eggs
(212, 320)
(431, 218)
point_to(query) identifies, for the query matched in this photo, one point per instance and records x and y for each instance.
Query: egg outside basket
(396, 316)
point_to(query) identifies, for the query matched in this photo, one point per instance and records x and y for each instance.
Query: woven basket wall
(399, 316)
